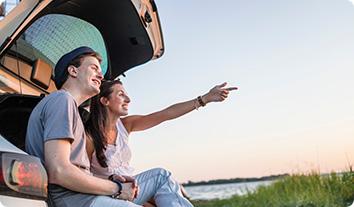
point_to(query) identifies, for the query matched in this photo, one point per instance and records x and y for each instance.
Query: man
(56, 135)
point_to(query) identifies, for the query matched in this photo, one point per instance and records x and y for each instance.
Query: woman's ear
(104, 101)
(72, 70)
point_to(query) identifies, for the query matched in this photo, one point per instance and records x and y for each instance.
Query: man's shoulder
(54, 100)
(60, 95)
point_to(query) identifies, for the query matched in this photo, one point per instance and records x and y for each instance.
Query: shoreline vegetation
(235, 180)
(297, 190)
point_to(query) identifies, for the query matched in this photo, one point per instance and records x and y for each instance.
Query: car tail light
(23, 176)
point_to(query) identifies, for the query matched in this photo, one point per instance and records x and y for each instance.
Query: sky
(293, 62)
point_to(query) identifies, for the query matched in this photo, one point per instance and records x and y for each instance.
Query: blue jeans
(154, 184)
(62, 197)
(158, 184)
(107, 201)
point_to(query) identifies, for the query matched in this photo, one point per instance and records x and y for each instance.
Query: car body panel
(10, 24)
(7, 201)
(6, 146)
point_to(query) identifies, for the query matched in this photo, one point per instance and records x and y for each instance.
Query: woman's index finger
(231, 88)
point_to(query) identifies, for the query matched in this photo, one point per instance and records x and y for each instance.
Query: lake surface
(222, 191)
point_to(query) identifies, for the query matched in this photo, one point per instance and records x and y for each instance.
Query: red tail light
(23, 175)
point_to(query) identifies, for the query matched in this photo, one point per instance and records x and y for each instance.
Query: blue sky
(293, 63)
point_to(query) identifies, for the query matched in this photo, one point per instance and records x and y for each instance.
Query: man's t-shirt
(57, 117)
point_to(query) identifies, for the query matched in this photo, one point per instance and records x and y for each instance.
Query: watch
(120, 187)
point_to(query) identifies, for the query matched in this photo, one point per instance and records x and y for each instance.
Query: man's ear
(104, 101)
(72, 71)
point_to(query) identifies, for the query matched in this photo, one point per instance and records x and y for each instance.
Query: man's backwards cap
(61, 68)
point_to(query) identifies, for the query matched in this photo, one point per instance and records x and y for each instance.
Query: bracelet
(195, 104)
(200, 101)
(120, 187)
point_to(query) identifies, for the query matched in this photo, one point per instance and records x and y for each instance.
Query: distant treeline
(235, 180)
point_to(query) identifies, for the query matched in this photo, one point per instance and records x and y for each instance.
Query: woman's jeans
(158, 184)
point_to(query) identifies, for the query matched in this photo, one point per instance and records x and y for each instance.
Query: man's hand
(128, 192)
(127, 181)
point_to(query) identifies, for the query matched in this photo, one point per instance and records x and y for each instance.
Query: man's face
(90, 75)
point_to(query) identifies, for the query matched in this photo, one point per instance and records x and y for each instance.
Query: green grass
(300, 190)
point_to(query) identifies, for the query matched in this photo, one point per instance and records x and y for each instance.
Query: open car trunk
(123, 29)
(36, 34)
(126, 33)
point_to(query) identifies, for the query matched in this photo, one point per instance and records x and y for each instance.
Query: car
(33, 36)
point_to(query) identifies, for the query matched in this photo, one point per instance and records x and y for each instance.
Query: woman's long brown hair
(95, 125)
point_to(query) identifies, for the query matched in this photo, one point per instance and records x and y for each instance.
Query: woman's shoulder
(123, 125)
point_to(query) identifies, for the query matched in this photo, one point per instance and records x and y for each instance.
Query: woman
(108, 134)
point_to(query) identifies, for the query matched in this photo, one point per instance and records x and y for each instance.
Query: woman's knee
(161, 171)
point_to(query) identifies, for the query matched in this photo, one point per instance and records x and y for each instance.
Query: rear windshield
(53, 35)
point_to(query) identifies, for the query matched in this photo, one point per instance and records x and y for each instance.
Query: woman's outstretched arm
(141, 122)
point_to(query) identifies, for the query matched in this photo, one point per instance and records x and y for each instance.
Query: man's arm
(62, 172)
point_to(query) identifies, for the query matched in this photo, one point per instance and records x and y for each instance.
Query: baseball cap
(60, 71)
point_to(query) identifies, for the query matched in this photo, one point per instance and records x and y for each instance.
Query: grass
(299, 190)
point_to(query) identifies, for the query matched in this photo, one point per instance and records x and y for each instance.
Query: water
(222, 191)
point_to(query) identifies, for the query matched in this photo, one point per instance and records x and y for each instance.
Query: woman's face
(118, 101)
